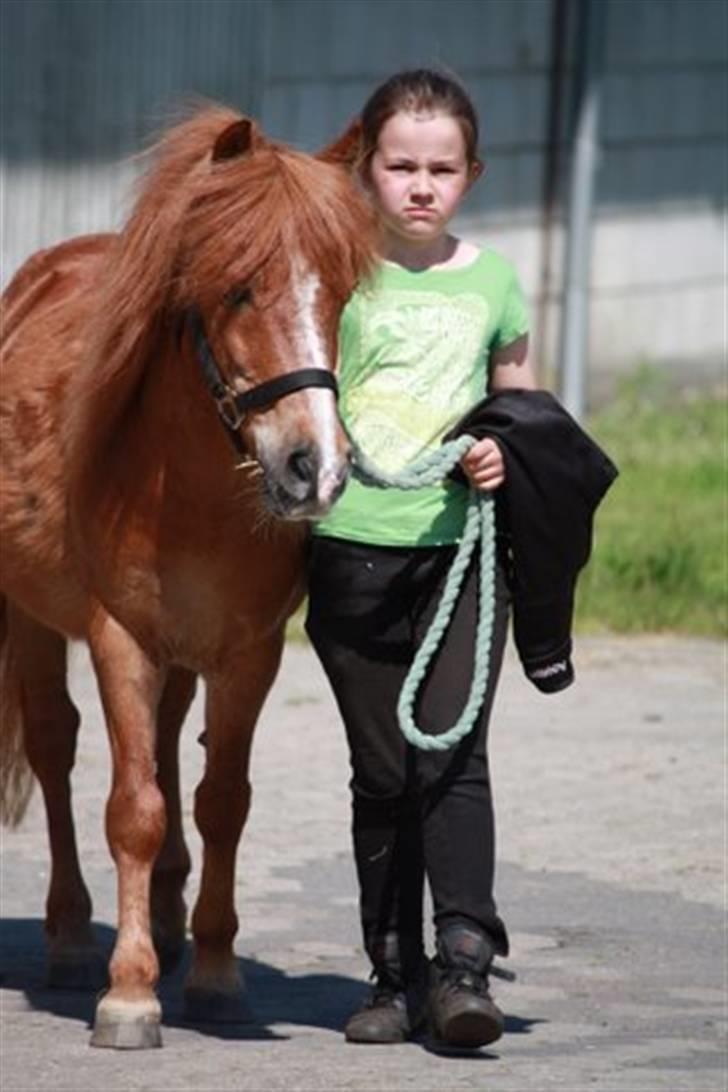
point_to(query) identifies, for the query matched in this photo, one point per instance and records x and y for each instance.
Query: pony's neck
(179, 417)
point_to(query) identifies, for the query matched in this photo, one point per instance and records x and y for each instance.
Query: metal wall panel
(85, 83)
(664, 126)
(91, 79)
(671, 33)
(372, 38)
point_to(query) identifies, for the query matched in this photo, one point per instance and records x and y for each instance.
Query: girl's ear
(346, 149)
(477, 170)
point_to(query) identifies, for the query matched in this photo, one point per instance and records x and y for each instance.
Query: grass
(659, 557)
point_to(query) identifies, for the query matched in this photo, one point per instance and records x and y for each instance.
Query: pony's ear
(239, 138)
(346, 149)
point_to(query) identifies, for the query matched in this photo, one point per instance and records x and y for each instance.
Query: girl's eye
(239, 296)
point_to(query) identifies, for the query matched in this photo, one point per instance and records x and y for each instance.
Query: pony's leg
(172, 866)
(128, 1015)
(50, 727)
(214, 989)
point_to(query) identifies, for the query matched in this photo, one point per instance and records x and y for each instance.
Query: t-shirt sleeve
(514, 315)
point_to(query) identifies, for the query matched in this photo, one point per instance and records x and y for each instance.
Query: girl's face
(419, 174)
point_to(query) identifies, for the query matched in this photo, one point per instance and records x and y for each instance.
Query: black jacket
(555, 478)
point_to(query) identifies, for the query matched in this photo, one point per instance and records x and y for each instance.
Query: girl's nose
(422, 185)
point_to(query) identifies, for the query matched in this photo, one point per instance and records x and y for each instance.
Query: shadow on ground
(321, 1000)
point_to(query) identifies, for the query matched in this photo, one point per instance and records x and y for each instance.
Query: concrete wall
(85, 83)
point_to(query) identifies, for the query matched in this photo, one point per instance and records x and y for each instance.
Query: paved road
(611, 821)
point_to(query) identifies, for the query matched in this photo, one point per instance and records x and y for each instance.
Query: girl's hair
(420, 90)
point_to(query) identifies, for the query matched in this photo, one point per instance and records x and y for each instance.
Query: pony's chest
(194, 602)
(212, 605)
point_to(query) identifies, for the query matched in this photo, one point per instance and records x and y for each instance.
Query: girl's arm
(509, 367)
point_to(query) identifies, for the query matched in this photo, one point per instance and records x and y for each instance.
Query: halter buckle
(228, 410)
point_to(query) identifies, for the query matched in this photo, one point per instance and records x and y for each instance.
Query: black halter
(233, 406)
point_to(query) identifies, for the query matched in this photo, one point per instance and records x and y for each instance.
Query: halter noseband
(233, 406)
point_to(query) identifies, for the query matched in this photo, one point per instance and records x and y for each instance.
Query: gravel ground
(611, 817)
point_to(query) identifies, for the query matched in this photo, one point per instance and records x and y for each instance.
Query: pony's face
(274, 242)
(283, 321)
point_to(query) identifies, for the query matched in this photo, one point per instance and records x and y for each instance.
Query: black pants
(414, 812)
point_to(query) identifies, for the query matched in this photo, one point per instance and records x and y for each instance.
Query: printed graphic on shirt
(408, 386)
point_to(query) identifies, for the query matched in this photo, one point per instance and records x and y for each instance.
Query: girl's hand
(484, 465)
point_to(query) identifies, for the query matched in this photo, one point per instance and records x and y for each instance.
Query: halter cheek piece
(234, 406)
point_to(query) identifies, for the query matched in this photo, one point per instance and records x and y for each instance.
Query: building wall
(87, 82)
(659, 259)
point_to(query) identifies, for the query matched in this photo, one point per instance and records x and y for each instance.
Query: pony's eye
(239, 296)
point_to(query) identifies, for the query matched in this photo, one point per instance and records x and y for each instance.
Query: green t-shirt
(413, 357)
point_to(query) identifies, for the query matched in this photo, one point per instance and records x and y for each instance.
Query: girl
(441, 322)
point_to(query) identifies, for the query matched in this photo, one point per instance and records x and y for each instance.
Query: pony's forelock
(258, 211)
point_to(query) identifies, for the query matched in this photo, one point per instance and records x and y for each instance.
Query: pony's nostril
(303, 465)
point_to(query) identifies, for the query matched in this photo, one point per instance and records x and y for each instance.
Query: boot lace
(460, 978)
(384, 994)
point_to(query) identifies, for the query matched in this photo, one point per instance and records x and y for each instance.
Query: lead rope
(479, 527)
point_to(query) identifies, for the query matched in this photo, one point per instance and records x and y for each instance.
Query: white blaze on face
(311, 353)
(299, 343)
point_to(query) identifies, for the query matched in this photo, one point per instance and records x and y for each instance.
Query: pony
(131, 521)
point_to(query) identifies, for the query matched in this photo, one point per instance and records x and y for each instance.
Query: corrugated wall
(659, 259)
(85, 83)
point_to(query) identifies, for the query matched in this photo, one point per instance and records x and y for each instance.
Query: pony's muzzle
(305, 487)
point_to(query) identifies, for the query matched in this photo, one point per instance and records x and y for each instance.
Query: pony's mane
(198, 228)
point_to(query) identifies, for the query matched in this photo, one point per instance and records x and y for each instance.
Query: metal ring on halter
(228, 410)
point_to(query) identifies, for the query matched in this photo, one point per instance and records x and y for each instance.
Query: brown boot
(382, 1018)
(396, 1006)
(462, 1012)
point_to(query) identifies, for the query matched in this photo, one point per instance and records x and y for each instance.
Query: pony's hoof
(86, 973)
(127, 1025)
(213, 1007)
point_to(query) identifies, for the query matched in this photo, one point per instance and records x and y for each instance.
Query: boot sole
(370, 1036)
(470, 1029)
(363, 1041)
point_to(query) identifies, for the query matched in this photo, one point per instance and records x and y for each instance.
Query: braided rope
(479, 527)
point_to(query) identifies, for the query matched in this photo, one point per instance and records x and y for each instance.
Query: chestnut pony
(129, 519)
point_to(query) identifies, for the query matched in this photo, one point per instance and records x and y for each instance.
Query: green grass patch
(659, 557)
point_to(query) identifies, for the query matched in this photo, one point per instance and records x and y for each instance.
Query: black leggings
(414, 811)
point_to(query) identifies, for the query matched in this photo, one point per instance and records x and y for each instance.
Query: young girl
(441, 322)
